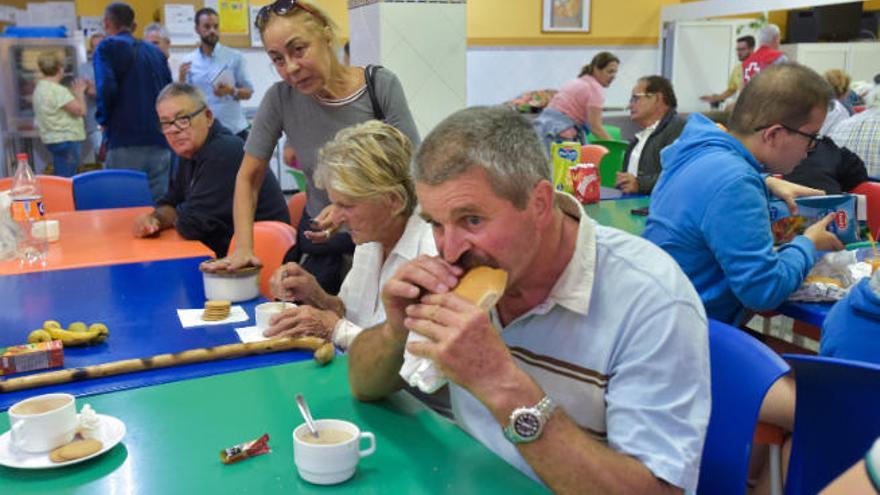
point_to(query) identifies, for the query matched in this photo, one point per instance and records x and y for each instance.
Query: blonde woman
(317, 98)
(365, 171)
(59, 113)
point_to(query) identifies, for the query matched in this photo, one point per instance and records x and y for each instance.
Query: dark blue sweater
(129, 74)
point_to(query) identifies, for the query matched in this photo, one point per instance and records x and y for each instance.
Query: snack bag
(564, 155)
(812, 209)
(585, 180)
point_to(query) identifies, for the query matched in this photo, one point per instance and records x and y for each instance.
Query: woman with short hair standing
(317, 97)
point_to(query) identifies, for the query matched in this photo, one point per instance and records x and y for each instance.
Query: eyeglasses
(635, 97)
(282, 8)
(180, 123)
(814, 138)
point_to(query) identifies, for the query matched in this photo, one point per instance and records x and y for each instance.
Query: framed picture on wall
(566, 15)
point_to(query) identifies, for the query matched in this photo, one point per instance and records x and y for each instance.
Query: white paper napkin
(193, 317)
(251, 334)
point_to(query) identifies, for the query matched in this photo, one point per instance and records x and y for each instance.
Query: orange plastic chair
(57, 192)
(295, 206)
(871, 190)
(593, 153)
(272, 240)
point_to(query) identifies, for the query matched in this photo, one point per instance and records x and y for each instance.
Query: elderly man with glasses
(709, 210)
(652, 107)
(199, 201)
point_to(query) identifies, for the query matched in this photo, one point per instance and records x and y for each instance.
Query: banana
(70, 339)
(38, 336)
(51, 324)
(77, 326)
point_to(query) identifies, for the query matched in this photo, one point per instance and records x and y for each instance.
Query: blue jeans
(65, 157)
(154, 160)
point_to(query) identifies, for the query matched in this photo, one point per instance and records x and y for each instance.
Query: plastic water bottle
(27, 208)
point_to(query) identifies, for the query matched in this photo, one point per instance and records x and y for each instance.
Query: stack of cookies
(216, 310)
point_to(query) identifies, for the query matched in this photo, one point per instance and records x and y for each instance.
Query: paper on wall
(180, 22)
(255, 33)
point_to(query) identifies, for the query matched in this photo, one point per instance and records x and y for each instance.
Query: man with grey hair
(766, 55)
(199, 201)
(158, 35)
(592, 373)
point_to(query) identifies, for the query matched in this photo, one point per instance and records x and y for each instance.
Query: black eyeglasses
(635, 96)
(282, 8)
(814, 138)
(180, 123)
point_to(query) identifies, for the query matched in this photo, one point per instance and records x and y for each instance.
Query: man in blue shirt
(129, 74)
(219, 72)
(709, 210)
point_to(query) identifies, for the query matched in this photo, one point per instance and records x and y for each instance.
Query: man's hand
(303, 321)
(462, 341)
(423, 274)
(145, 225)
(291, 282)
(183, 71)
(325, 224)
(238, 259)
(223, 89)
(627, 183)
(821, 237)
(788, 191)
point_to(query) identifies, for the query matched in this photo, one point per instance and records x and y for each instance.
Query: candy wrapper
(811, 209)
(585, 180)
(245, 450)
(831, 278)
(563, 156)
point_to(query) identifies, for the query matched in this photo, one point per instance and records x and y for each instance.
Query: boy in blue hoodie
(852, 327)
(709, 209)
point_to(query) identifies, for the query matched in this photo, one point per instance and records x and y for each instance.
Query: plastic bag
(9, 232)
(831, 278)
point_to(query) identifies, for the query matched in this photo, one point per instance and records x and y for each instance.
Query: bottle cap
(21, 156)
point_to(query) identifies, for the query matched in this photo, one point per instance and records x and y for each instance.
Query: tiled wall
(424, 43)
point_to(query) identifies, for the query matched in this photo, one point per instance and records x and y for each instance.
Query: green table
(616, 213)
(176, 431)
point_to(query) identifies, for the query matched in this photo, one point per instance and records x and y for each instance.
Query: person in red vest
(766, 55)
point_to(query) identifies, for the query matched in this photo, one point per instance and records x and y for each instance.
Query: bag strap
(370, 76)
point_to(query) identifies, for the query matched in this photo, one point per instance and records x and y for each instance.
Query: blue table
(138, 302)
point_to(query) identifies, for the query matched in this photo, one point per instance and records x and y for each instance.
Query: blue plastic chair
(111, 189)
(837, 418)
(743, 369)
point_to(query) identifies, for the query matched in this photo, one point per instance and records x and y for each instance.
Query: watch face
(527, 425)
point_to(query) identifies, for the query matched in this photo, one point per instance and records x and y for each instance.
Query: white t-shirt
(641, 138)
(362, 288)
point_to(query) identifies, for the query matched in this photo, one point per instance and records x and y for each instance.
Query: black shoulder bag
(370, 76)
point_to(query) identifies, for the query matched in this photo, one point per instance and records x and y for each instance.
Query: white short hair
(768, 33)
(157, 28)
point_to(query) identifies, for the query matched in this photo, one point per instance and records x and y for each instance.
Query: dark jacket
(829, 167)
(129, 74)
(667, 131)
(203, 190)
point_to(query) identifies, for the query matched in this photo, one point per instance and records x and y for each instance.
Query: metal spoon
(306, 414)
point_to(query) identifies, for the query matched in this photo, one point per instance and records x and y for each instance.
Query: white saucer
(111, 432)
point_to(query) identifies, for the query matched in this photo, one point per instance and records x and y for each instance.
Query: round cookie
(75, 450)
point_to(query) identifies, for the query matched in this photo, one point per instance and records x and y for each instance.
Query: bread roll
(482, 286)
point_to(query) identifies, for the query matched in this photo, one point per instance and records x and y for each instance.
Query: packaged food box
(811, 209)
(585, 179)
(564, 155)
(30, 357)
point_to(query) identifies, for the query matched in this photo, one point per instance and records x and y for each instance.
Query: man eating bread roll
(591, 374)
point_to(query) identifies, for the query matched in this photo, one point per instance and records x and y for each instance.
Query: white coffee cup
(328, 464)
(43, 423)
(264, 312)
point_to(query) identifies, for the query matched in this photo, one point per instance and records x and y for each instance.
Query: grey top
(309, 124)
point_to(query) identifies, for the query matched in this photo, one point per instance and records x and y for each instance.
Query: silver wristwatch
(527, 423)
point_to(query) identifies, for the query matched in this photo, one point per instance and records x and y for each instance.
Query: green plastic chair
(612, 131)
(300, 178)
(612, 162)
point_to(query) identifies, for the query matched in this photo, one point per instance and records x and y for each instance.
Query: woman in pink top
(578, 104)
